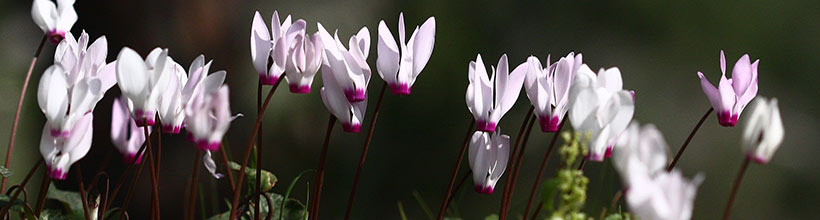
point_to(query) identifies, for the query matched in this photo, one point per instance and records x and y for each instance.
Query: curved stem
(121, 180)
(254, 132)
(502, 213)
(458, 186)
(518, 164)
(735, 187)
(537, 209)
(41, 197)
(83, 197)
(455, 170)
(22, 187)
(152, 169)
(320, 172)
(688, 139)
(364, 153)
(193, 188)
(541, 168)
(10, 150)
(130, 188)
(225, 160)
(258, 148)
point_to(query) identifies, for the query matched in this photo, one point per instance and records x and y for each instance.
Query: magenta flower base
(207, 145)
(171, 129)
(55, 36)
(401, 89)
(549, 124)
(299, 89)
(355, 95)
(352, 128)
(485, 126)
(268, 80)
(129, 158)
(484, 190)
(727, 119)
(57, 174)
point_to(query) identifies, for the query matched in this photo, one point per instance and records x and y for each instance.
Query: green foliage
(570, 185)
(53, 214)
(268, 179)
(290, 188)
(5, 172)
(72, 201)
(293, 209)
(491, 217)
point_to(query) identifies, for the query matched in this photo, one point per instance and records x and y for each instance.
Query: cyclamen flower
(731, 96)
(84, 62)
(668, 196)
(208, 115)
(488, 159)
(60, 153)
(490, 98)
(125, 135)
(764, 132)
(269, 49)
(599, 105)
(640, 151)
(181, 90)
(548, 88)
(304, 56)
(349, 65)
(350, 114)
(55, 21)
(142, 82)
(400, 72)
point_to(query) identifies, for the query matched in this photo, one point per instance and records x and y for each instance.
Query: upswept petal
(387, 63)
(131, 74)
(44, 13)
(52, 95)
(423, 45)
(742, 75)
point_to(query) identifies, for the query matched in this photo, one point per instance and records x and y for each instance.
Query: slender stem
(83, 196)
(537, 209)
(458, 186)
(320, 171)
(735, 187)
(130, 188)
(254, 131)
(41, 197)
(688, 139)
(193, 188)
(258, 149)
(10, 150)
(502, 213)
(22, 187)
(152, 169)
(455, 170)
(518, 164)
(364, 153)
(159, 161)
(227, 167)
(541, 168)
(581, 165)
(121, 180)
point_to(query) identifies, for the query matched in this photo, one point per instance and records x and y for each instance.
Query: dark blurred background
(659, 47)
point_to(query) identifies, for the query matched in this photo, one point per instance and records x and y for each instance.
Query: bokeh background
(659, 47)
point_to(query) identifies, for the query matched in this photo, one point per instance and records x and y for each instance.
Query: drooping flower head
(180, 91)
(60, 153)
(142, 82)
(125, 135)
(269, 49)
(400, 70)
(349, 66)
(54, 20)
(733, 94)
(208, 114)
(488, 159)
(548, 88)
(667, 196)
(641, 150)
(490, 98)
(600, 106)
(304, 56)
(764, 131)
(75, 84)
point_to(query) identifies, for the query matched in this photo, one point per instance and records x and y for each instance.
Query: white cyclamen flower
(350, 114)
(142, 82)
(488, 159)
(208, 115)
(349, 65)
(125, 135)
(764, 131)
(641, 150)
(668, 196)
(401, 70)
(304, 57)
(600, 106)
(60, 153)
(266, 47)
(490, 98)
(54, 20)
(548, 88)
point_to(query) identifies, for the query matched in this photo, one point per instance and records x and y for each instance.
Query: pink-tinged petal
(131, 73)
(512, 91)
(751, 91)
(276, 28)
(423, 45)
(213, 82)
(44, 13)
(108, 75)
(401, 30)
(742, 75)
(120, 119)
(711, 92)
(78, 144)
(563, 80)
(210, 165)
(501, 146)
(363, 43)
(260, 53)
(479, 158)
(67, 15)
(727, 96)
(722, 62)
(279, 55)
(387, 62)
(52, 93)
(98, 51)
(500, 76)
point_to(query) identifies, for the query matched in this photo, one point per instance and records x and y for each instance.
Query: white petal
(423, 45)
(44, 13)
(132, 76)
(387, 62)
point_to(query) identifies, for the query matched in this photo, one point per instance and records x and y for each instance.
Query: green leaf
(268, 179)
(548, 191)
(491, 217)
(290, 188)
(401, 211)
(5, 172)
(293, 210)
(72, 201)
(17, 206)
(423, 204)
(52, 214)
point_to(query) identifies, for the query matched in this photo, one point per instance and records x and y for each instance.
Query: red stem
(258, 150)
(83, 197)
(22, 187)
(225, 160)
(541, 169)
(193, 188)
(320, 172)
(364, 153)
(41, 197)
(735, 187)
(121, 180)
(10, 150)
(502, 213)
(455, 170)
(254, 131)
(688, 139)
(518, 164)
(152, 168)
